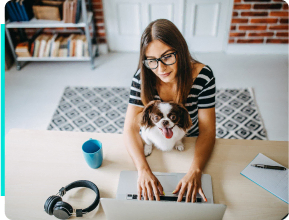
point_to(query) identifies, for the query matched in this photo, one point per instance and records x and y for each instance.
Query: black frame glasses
(160, 59)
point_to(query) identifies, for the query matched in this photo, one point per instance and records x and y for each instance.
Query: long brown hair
(166, 32)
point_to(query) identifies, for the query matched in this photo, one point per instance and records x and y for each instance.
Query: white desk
(39, 163)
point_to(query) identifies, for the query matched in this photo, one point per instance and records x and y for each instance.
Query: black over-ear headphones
(62, 210)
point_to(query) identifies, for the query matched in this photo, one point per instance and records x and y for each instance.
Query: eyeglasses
(168, 59)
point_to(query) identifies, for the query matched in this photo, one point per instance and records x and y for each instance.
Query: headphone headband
(82, 183)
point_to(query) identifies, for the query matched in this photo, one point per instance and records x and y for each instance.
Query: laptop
(126, 206)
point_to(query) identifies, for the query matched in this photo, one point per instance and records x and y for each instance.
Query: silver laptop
(126, 206)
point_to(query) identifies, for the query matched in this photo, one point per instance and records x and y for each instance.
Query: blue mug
(92, 151)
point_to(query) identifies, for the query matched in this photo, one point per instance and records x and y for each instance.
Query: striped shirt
(201, 96)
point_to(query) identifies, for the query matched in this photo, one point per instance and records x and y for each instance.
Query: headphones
(62, 210)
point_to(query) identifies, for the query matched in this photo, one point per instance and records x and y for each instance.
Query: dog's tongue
(167, 132)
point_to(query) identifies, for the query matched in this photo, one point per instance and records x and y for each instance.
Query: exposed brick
(98, 13)
(277, 41)
(235, 13)
(101, 34)
(236, 1)
(256, 0)
(99, 21)
(239, 20)
(282, 34)
(249, 41)
(278, 27)
(284, 20)
(252, 27)
(264, 20)
(261, 34)
(285, 6)
(101, 40)
(231, 40)
(237, 34)
(97, 6)
(233, 27)
(96, 1)
(267, 6)
(279, 13)
(100, 27)
(254, 13)
(242, 6)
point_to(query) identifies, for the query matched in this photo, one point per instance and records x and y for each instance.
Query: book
(55, 51)
(19, 11)
(274, 181)
(11, 11)
(69, 44)
(63, 47)
(13, 5)
(73, 45)
(22, 49)
(37, 46)
(66, 11)
(85, 48)
(27, 8)
(78, 11)
(80, 45)
(47, 52)
(43, 44)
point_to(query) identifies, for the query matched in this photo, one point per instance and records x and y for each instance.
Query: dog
(164, 124)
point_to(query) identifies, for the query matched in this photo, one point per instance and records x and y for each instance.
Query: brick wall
(99, 20)
(259, 21)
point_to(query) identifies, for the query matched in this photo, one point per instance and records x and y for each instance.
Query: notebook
(274, 181)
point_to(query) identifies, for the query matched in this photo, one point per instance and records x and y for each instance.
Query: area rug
(103, 109)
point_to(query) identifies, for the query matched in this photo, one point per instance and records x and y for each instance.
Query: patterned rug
(102, 109)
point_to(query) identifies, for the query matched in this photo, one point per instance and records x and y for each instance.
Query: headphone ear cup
(50, 202)
(62, 210)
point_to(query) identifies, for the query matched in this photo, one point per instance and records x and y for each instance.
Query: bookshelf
(85, 21)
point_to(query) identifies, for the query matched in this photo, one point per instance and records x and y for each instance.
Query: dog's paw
(180, 147)
(148, 149)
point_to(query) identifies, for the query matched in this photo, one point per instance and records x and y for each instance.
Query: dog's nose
(165, 122)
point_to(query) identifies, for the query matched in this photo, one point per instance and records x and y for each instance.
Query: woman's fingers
(149, 191)
(155, 189)
(202, 194)
(194, 194)
(144, 192)
(177, 188)
(181, 193)
(139, 192)
(160, 188)
(189, 193)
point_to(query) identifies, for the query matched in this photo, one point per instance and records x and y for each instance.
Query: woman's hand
(190, 183)
(148, 186)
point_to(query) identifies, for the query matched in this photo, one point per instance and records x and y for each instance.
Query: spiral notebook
(274, 181)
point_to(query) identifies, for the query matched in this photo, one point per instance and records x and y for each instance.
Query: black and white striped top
(202, 95)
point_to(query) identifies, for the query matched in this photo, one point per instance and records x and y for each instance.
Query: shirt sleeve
(206, 98)
(135, 91)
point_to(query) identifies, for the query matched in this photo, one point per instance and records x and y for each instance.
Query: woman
(167, 72)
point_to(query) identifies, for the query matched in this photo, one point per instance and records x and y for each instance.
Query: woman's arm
(132, 138)
(203, 149)
(148, 185)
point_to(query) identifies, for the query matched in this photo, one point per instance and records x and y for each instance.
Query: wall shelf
(85, 21)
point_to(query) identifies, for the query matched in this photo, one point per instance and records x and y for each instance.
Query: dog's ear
(185, 119)
(145, 120)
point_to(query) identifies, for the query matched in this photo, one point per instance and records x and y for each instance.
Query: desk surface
(39, 163)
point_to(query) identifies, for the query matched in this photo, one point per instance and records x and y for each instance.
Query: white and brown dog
(163, 125)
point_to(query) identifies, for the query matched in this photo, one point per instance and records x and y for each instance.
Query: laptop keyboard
(162, 198)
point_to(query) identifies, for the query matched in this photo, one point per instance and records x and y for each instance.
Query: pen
(268, 167)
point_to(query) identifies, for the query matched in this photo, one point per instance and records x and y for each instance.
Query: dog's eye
(173, 117)
(156, 117)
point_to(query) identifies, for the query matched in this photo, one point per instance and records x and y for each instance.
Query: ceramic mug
(92, 151)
